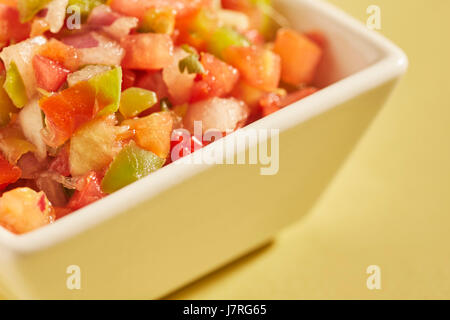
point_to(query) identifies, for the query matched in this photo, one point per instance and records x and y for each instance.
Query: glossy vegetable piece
(179, 82)
(130, 165)
(71, 108)
(300, 57)
(88, 191)
(138, 8)
(153, 81)
(29, 8)
(50, 75)
(12, 30)
(259, 67)
(216, 114)
(158, 21)
(259, 12)
(153, 132)
(94, 145)
(31, 123)
(223, 38)
(107, 87)
(55, 50)
(8, 173)
(147, 51)
(218, 79)
(135, 100)
(22, 54)
(7, 107)
(23, 210)
(195, 30)
(66, 111)
(15, 87)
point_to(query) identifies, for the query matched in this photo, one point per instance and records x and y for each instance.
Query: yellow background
(390, 204)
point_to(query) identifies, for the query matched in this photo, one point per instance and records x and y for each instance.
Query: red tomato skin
(138, 8)
(147, 51)
(153, 81)
(89, 192)
(66, 111)
(128, 79)
(61, 163)
(259, 67)
(218, 80)
(50, 75)
(8, 173)
(12, 30)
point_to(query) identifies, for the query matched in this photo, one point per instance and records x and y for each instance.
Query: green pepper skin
(135, 100)
(108, 87)
(223, 38)
(29, 8)
(14, 86)
(6, 106)
(131, 164)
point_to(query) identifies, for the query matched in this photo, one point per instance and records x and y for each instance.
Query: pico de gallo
(94, 93)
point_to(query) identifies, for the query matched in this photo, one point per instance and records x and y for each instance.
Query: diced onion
(108, 52)
(22, 54)
(56, 14)
(30, 119)
(86, 73)
(233, 19)
(179, 84)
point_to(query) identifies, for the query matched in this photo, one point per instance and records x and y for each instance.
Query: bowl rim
(392, 64)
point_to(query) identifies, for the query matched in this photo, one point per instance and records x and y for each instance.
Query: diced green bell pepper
(108, 87)
(223, 38)
(266, 27)
(6, 106)
(135, 100)
(131, 164)
(29, 8)
(14, 86)
(158, 21)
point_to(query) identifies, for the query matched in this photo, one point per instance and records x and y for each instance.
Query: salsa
(93, 93)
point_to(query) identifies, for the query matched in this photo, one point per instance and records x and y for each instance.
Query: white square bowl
(184, 221)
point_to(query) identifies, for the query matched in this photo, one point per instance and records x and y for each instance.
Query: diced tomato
(138, 8)
(218, 80)
(153, 81)
(8, 173)
(260, 67)
(299, 57)
(61, 163)
(88, 192)
(147, 51)
(50, 75)
(128, 79)
(254, 36)
(62, 53)
(66, 111)
(297, 95)
(152, 132)
(270, 104)
(11, 29)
